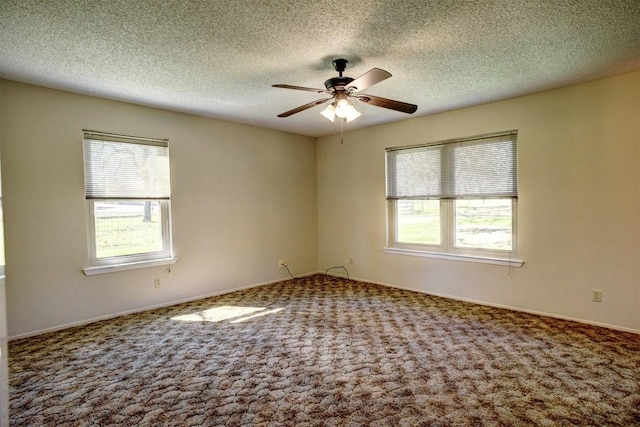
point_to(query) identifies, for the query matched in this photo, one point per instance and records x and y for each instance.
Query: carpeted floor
(327, 351)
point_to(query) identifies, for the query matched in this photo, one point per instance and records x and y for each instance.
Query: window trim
(165, 224)
(112, 268)
(447, 249)
(510, 262)
(133, 261)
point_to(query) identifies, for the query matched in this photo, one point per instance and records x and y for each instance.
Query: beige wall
(578, 208)
(243, 197)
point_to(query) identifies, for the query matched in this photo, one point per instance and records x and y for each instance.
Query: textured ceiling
(220, 58)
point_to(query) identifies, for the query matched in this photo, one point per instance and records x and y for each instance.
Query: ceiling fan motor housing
(337, 84)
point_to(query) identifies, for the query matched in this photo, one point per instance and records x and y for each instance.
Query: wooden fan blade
(308, 89)
(371, 77)
(304, 107)
(388, 103)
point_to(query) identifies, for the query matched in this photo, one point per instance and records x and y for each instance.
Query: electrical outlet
(596, 295)
(156, 282)
(282, 263)
(350, 261)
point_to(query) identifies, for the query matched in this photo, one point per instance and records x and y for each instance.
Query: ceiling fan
(342, 89)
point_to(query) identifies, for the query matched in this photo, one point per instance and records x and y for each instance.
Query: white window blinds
(124, 167)
(478, 167)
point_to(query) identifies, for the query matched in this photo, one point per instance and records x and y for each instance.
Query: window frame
(165, 228)
(447, 233)
(99, 265)
(447, 248)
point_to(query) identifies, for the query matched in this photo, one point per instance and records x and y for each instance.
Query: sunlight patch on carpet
(226, 312)
(260, 314)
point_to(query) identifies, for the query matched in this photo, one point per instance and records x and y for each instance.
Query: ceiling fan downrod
(337, 84)
(340, 65)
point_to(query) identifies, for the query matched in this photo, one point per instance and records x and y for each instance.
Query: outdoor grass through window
(479, 223)
(127, 228)
(484, 223)
(418, 222)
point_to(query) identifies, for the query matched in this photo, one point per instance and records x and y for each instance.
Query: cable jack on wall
(283, 264)
(340, 266)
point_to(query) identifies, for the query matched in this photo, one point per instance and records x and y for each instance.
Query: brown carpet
(327, 351)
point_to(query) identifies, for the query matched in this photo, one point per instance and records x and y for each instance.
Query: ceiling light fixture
(341, 88)
(329, 112)
(342, 108)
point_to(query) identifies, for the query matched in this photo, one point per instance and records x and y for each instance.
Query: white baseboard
(149, 307)
(507, 307)
(255, 285)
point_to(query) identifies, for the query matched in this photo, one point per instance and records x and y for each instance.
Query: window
(456, 197)
(127, 188)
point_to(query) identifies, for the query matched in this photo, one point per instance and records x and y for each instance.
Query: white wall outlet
(596, 295)
(282, 263)
(350, 261)
(156, 282)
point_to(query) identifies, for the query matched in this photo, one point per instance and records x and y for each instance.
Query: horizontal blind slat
(469, 168)
(126, 169)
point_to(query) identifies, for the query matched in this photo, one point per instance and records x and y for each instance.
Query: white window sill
(102, 269)
(513, 262)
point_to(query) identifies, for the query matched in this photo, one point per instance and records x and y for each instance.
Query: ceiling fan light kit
(342, 108)
(342, 88)
(329, 112)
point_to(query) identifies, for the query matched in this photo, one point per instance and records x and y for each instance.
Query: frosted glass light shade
(343, 108)
(329, 112)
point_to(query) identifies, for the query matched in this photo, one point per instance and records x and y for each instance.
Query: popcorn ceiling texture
(219, 59)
